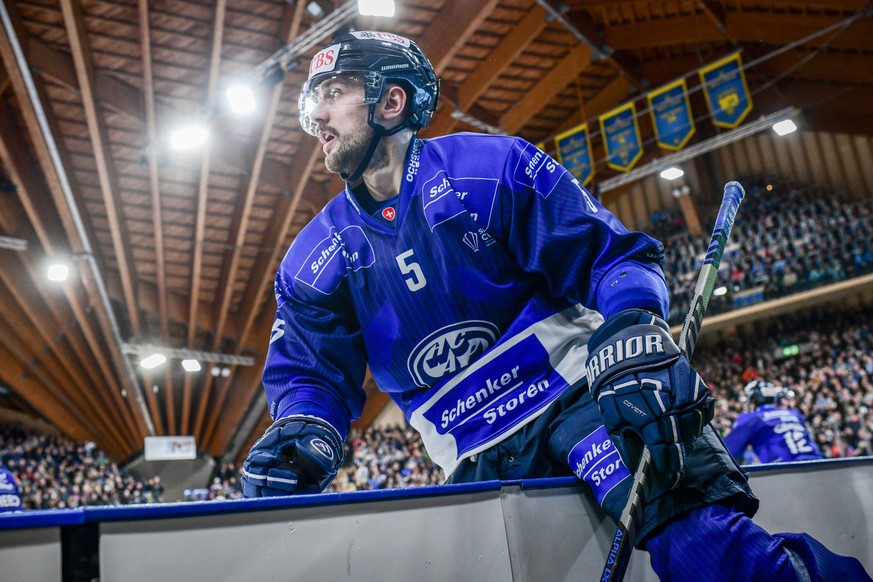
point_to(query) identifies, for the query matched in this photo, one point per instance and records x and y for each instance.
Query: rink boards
(531, 530)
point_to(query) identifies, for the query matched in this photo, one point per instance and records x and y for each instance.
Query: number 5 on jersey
(412, 272)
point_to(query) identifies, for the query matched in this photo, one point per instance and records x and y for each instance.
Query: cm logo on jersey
(449, 350)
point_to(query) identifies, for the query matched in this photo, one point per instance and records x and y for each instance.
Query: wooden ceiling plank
(561, 75)
(75, 26)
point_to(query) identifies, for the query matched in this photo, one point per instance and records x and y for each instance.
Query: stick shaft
(625, 535)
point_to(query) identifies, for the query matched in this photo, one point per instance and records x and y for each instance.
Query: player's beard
(348, 153)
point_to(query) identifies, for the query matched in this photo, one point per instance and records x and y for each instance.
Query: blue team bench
(542, 529)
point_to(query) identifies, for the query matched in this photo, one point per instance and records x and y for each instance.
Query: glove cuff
(331, 435)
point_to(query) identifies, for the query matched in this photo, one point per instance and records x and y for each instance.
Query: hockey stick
(623, 542)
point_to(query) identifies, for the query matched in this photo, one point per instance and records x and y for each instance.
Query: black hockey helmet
(760, 392)
(378, 58)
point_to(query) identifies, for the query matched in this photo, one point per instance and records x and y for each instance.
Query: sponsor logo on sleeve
(596, 461)
(538, 170)
(333, 256)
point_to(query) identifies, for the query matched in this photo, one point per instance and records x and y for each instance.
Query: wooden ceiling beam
(150, 118)
(108, 177)
(464, 19)
(745, 27)
(202, 202)
(241, 223)
(561, 75)
(491, 68)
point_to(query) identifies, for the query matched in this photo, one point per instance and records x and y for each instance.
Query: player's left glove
(648, 393)
(296, 455)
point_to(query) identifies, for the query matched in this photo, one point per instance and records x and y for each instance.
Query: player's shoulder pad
(326, 250)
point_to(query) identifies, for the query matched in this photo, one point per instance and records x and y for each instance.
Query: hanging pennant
(727, 94)
(671, 115)
(574, 153)
(621, 137)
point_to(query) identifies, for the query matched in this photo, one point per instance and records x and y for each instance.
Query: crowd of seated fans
(53, 472)
(785, 240)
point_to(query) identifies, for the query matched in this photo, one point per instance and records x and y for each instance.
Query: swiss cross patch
(388, 213)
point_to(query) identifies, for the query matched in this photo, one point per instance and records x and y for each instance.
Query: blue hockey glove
(297, 454)
(648, 393)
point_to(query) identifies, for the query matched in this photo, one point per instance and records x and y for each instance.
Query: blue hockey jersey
(471, 294)
(776, 435)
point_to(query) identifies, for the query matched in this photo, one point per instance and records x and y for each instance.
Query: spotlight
(189, 137)
(58, 272)
(376, 7)
(784, 127)
(672, 173)
(191, 365)
(152, 361)
(241, 99)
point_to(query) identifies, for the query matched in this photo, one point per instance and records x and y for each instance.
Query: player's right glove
(297, 454)
(648, 393)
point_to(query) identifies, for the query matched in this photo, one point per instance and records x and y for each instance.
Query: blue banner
(727, 94)
(621, 137)
(574, 153)
(671, 115)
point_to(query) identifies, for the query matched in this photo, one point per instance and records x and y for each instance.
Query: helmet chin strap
(379, 132)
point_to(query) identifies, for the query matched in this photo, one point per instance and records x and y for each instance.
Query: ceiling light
(189, 137)
(315, 9)
(241, 99)
(191, 365)
(672, 173)
(58, 272)
(152, 361)
(720, 291)
(784, 127)
(376, 7)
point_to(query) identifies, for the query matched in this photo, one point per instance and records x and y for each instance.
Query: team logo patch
(389, 213)
(450, 349)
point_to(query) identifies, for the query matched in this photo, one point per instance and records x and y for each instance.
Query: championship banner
(574, 153)
(727, 94)
(621, 137)
(671, 115)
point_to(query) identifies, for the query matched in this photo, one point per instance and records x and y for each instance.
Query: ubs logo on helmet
(450, 349)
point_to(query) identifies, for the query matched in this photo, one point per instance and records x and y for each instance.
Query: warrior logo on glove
(648, 393)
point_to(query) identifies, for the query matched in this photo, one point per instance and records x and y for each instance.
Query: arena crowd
(824, 356)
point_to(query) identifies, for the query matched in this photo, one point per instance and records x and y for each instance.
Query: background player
(475, 275)
(775, 431)
(10, 496)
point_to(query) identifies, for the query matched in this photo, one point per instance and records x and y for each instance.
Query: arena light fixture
(376, 7)
(241, 99)
(58, 272)
(719, 291)
(672, 173)
(784, 127)
(152, 361)
(189, 137)
(191, 365)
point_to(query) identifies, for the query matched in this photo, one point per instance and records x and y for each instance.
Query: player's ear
(393, 105)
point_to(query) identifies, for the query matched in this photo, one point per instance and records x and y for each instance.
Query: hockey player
(10, 497)
(776, 431)
(498, 304)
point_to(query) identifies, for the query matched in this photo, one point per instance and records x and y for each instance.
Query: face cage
(307, 102)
